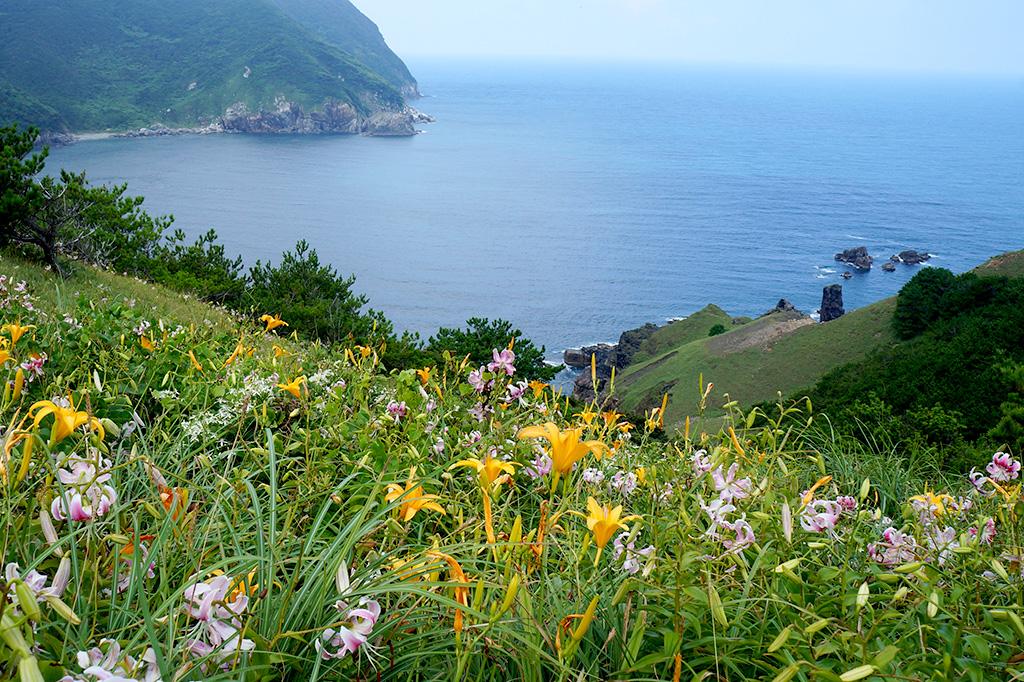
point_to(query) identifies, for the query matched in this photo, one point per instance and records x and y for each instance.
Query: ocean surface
(578, 200)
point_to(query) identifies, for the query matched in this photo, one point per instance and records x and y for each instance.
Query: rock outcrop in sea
(831, 303)
(858, 257)
(910, 257)
(606, 357)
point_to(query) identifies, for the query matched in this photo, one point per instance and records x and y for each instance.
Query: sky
(953, 36)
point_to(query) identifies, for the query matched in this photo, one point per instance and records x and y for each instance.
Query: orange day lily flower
(413, 498)
(273, 322)
(294, 387)
(147, 343)
(424, 374)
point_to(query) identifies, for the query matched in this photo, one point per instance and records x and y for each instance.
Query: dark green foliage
(20, 195)
(716, 330)
(481, 336)
(313, 297)
(1009, 430)
(202, 268)
(936, 294)
(920, 301)
(66, 216)
(99, 64)
(948, 384)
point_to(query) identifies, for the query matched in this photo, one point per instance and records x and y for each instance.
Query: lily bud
(588, 618)
(19, 384)
(27, 601)
(28, 670)
(62, 609)
(11, 634)
(510, 595)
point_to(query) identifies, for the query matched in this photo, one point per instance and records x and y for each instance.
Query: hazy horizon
(943, 36)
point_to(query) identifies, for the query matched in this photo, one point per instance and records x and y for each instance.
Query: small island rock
(910, 257)
(858, 257)
(831, 303)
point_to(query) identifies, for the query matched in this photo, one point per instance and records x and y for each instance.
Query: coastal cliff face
(333, 117)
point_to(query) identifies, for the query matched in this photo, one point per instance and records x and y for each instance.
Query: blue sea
(581, 199)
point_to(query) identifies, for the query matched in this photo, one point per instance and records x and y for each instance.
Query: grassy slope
(758, 373)
(105, 64)
(694, 327)
(95, 285)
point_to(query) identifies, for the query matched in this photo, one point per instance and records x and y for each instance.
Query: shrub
(314, 297)
(716, 330)
(481, 336)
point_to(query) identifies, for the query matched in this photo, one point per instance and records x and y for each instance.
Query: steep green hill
(102, 64)
(339, 22)
(753, 362)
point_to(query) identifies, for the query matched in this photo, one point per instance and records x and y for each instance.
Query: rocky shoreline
(287, 118)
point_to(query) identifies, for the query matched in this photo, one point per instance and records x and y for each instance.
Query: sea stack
(831, 302)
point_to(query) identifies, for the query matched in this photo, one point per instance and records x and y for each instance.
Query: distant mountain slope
(341, 23)
(106, 64)
(754, 361)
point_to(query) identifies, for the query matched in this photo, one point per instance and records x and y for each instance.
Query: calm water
(581, 200)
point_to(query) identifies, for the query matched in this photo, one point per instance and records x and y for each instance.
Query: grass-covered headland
(264, 489)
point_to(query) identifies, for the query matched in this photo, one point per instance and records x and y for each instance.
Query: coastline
(287, 120)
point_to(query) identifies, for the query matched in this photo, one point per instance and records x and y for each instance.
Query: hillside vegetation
(88, 65)
(754, 362)
(188, 496)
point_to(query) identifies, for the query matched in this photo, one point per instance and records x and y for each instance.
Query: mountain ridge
(98, 65)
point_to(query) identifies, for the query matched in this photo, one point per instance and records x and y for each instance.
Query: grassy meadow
(193, 495)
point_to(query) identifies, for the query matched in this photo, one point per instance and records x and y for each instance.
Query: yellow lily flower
(278, 351)
(273, 322)
(413, 498)
(294, 387)
(195, 363)
(604, 522)
(16, 331)
(147, 343)
(66, 420)
(492, 472)
(587, 416)
(566, 447)
(5, 355)
(490, 469)
(424, 374)
(611, 418)
(935, 502)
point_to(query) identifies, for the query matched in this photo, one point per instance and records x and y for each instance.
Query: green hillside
(339, 22)
(100, 64)
(680, 332)
(754, 362)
